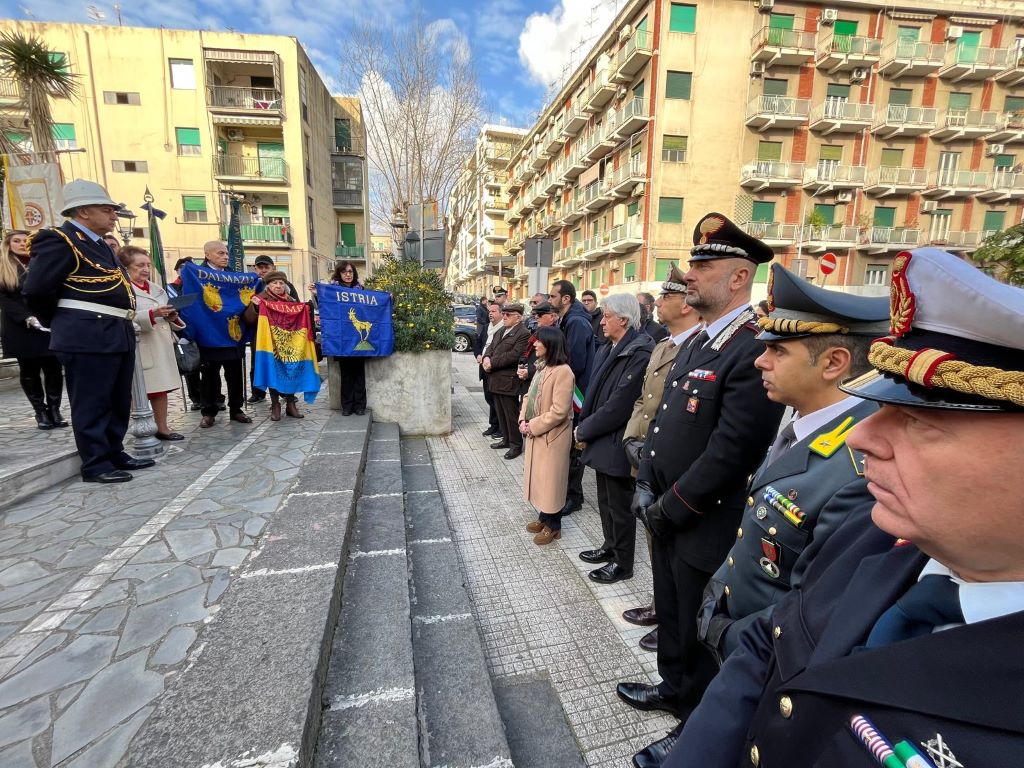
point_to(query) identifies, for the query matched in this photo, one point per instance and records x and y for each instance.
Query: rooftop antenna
(95, 13)
(117, 10)
(27, 11)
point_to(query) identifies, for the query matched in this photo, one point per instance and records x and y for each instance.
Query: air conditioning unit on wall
(859, 75)
(844, 197)
(829, 16)
(929, 206)
(757, 69)
(235, 134)
(994, 149)
(765, 6)
(955, 33)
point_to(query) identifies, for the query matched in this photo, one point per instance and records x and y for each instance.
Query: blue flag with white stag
(355, 322)
(215, 318)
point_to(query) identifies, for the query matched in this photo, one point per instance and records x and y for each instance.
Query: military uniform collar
(88, 232)
(804, 426)
(724, 322)
(685, 336)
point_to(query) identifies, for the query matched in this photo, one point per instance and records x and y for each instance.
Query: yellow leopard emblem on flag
(289, 346)
(235, 328)
(245, 294)
(211, 297)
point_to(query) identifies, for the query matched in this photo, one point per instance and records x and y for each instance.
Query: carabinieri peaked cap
(676, 281)
(715, 237)
(796, 308)
(956, 339)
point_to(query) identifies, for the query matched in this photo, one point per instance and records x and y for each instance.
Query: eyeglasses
(348, 271)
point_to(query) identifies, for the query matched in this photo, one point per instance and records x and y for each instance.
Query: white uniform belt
(100, 309)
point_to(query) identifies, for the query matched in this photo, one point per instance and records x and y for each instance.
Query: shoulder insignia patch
(828, 443)
(858, 461)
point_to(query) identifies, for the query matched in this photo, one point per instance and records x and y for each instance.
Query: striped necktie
(934, 601)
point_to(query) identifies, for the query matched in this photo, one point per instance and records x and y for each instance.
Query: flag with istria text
(285, 358)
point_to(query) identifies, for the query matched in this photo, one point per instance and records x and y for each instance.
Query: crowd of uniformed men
(832, 492)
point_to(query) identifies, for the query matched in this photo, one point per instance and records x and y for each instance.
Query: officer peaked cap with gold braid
(797, 308)
(715, 237)
(956, 339)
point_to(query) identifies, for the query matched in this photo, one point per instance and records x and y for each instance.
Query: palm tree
(40, 74)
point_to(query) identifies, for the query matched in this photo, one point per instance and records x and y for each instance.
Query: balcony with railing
(538, 160)
(350, 252)
(599, 92)
(599, 144)
(551, 182)
(886, 180)
(625, 178)
(841, 116)
(495, 234)
(1009, 128)
(571, 212)
(625, 237)
(828, 176)
(514, 212)
(1003, 186)
(495, 179)
(766, 111)
(771, 174)
(262, 169)
(244, 99)
(575, 119)
(954, 124)
(955, 240)
(819, 239)
(516, 240)
(786, 47)
(882, 239)
(577, 163)
(964, 62)
(630, 118)
(569, 256)
(590, 199)
(554, 139)
(347, 199)
(839, 53)
(773, 233)
(954, 183)
(263, 235)
(496, 206)
(596, 246)
(1013, 74)
(910, 58)
(537, 193)
(893, 120)
(10, 91)
(633, 56)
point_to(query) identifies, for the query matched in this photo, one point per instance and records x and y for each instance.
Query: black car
(465, 335)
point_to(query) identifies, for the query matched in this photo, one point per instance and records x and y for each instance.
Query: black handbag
(186, 353)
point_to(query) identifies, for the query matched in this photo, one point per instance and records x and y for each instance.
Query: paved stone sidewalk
(537, 611)
(104, 590)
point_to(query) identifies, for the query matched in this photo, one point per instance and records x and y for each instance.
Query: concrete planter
(411, 389)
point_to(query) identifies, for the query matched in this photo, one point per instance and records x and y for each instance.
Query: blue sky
(521, 47)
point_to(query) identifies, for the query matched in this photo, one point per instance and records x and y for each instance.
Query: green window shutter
(967, 47)
(901, 96)
(993, 221)
(1004, 161)
(837, 91)
(60, 59)
(884, 217)
(635, 149)
(674, 142)
(683, 18)
(593, 279)
(781, 21)
(577, 235)
(761, 275)
(632, 209)
(194, 202)
(908, 34)
(763, 211)
(677, 85)
(1013, 104)
(347, 233)
(629, 270)
(638, 90)
(769, 150)
(830, 153)
(276, 211)
(774, 87)
(892, 158)
(845, 28)
(187, 136)
(63, 132)
(944, 212)
(670, 210)
(960, 101)
(642, 26)
(827, 212)
(661, 269)
(343, 134)
(270, 149)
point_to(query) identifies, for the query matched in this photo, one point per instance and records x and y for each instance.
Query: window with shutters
(629, 272)
(129, 166)
(769, 150)
(825, 213)
(764, 211)
(121, 97)
(959, 104)
(661, 269)
(64, 136)
(683, 18)
(1014, 104)
(829, 159)
(194, 208)
(891, 158)
(876, 274)
(673, 149)
(678, 84)
(901, 96)
(1003, 163)
(183, 74)
(773, 87)
(780, 27)
(670, 210)
(343, 134)
(188, 141)
(995, 221)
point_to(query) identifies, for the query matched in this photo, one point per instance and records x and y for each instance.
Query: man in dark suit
(78, 288)
(913, 651)
(711, 431)
(650, 326)
(501, 361)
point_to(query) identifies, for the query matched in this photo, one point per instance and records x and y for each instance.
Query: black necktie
(782, 444)
(698, 341)
(933, 601)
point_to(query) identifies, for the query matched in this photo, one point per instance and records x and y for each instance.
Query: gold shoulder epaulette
(828, 443)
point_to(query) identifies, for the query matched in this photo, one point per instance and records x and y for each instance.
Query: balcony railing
(969, 63)
(1003, 184)
(9, 88)
(829, 174)
(763, 174)
(1009, 128)
(782, 46)
(841, 115)
(837, 52)
(347, 198)
(955, 240)
(833, 233)
(772, 232)
(964, 123)
(261, 168)
(350, 252)
(900, 119)
(239, 97)
(262, 233)
(950, 182)
(910, 58)
(766, 111)
(892, 180)
(891, 236)
(633, 55)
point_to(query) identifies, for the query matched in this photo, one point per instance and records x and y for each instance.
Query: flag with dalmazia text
(215, 318)
(285, 358)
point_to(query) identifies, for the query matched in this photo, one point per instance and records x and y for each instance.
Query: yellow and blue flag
(215, 319)
(355, 322)
(285, 358)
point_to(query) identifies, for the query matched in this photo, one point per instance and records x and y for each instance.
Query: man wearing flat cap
(500, 361)
(77, 287)
(712, 429)
(909, 655)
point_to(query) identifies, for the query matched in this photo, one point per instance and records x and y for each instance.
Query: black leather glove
(632, 446)
(654, 519)
(643, 497)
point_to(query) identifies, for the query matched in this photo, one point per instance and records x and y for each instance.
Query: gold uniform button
(656, 429)
(755, 755)
(786, 707)
(650, 395)
(645, 415)
(773, 530)
(731, 562)
(656, 373)
(652, 454)
(675, 384)
(727, 590)
(750, 501)
(777, 632)
(739, 533)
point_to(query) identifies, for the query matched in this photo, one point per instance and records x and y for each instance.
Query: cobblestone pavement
(104, 589)
(538, 612)
(20, 440)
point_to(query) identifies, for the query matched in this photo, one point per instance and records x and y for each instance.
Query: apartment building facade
(853, 128)
(479, 201)
(201, 117)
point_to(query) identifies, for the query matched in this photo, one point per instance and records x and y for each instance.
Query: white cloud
(550, 43)
(450, 40)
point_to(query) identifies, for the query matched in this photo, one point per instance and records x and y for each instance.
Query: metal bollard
(142, 426)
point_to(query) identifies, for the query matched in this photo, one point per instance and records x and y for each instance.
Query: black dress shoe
(597, 555)
(360, 411)
(655, 755)
(114, 476)
(501, 444)
(512, 453)
(649, 642)
(642, 617)
(609, 574)
(569, 507)
(195, 406)
(257, 398)
(134, 463)
(647, 697)
(172, 436)
(490, 431)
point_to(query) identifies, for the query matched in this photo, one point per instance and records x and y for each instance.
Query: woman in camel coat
(545, 419)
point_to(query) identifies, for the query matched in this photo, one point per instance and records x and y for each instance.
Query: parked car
(465, 335)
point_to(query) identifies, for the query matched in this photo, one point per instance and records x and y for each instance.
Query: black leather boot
(54, 391)
(33, 388)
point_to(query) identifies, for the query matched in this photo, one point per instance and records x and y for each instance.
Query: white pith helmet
(80, 192)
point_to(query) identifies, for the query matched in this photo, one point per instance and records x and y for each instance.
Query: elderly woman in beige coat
(545, 419)
(155, 319)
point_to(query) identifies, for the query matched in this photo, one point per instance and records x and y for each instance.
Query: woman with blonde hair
(155, 319)
(24, 337)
